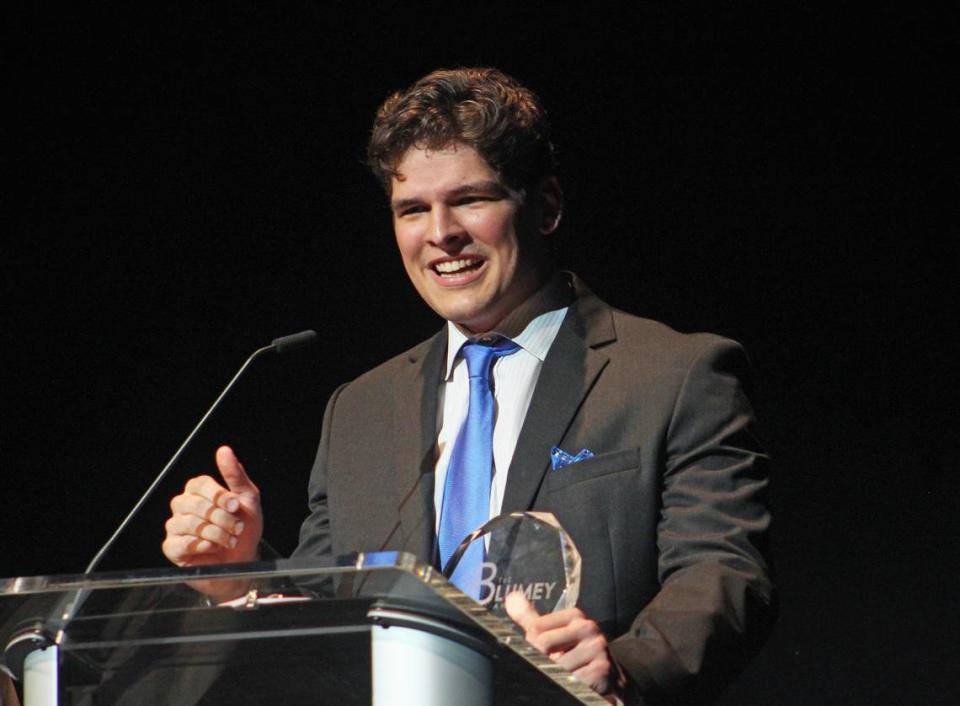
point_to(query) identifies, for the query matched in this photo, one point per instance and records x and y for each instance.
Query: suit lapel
(569, 373)
(415, 455)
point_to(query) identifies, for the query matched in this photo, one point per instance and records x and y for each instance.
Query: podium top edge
(304, 566)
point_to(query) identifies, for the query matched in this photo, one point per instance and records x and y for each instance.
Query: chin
(458, 316)
(459, 312)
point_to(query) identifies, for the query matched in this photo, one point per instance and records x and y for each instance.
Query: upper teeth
(453, 265)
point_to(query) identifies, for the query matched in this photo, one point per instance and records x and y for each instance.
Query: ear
(550, 196)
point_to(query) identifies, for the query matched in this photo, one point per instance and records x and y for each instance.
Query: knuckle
(199, 484)
(588, 628)
(599, 655)
(220, 496)
(191, 505)
(173, 550)
(212, 533)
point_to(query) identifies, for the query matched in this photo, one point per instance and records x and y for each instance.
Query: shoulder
(660, 342)
(599, 323)
(670, 366)
(643, 344)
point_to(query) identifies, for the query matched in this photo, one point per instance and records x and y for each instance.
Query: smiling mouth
(454, 268)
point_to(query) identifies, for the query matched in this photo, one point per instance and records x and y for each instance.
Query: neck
(555, 293)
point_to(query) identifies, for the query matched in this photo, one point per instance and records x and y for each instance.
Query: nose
(446, 231)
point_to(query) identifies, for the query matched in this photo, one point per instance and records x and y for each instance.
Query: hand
(8, 693)
(213, 524)
(570, 639)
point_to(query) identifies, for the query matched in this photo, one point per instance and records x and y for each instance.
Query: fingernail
(233, 542)
(238, 528)
(233, 505)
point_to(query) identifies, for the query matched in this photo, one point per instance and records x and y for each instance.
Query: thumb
(520, 610)
(234, 473)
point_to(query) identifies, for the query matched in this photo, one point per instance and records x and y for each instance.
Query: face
(472, 249)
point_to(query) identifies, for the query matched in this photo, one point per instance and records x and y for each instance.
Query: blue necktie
(466, 491)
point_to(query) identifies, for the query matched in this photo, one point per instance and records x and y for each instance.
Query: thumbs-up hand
(213, 524)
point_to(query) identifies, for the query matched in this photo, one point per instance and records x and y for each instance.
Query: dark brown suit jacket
(669, 514)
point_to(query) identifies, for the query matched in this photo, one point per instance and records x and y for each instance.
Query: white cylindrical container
(415, 667)
(40, 677)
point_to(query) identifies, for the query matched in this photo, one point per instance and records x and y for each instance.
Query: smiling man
(667, 509)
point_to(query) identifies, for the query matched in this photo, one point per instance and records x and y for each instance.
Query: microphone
(34, 634)
(284, 344)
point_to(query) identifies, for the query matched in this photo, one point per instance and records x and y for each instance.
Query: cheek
(510, 252)
(407, 245)
(500, 235)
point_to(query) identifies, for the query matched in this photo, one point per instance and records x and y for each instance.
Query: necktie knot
(481, 354)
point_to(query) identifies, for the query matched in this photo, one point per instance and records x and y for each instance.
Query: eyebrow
(487, 186)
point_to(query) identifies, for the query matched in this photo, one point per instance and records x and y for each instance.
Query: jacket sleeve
(315, 538)
(716, 603)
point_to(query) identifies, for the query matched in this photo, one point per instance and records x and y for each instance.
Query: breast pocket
(593, 468)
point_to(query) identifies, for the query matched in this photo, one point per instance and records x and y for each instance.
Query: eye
(473, 198)
(412, 210)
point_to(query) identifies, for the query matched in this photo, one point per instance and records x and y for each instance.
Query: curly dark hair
(480, 107)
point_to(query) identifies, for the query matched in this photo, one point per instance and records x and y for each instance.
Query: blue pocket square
(560, 458)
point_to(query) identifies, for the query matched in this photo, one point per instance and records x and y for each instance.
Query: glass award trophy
(527, 552)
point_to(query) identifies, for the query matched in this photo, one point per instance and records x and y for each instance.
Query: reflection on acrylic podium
(370, 629)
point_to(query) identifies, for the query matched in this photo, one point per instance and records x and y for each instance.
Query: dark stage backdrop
(186, 184)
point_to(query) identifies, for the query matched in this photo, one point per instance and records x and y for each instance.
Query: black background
(187, 184)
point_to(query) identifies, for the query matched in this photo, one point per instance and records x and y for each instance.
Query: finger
(207, 487)
(520, 610)
(598, 674)
(193, 526)
(589, 656)
(203, 509)
(559, 619)
(234, 473)
(566, 636)
(181, 549)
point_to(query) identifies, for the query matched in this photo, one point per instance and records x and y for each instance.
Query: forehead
(438, 169)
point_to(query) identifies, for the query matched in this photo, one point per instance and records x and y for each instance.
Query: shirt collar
(534, 324)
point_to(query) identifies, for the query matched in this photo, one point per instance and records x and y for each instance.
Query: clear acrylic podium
(370, 629)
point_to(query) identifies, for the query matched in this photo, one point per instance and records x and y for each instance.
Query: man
(668, 513)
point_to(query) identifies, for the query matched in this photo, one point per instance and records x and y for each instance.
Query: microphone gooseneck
(283, 344)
